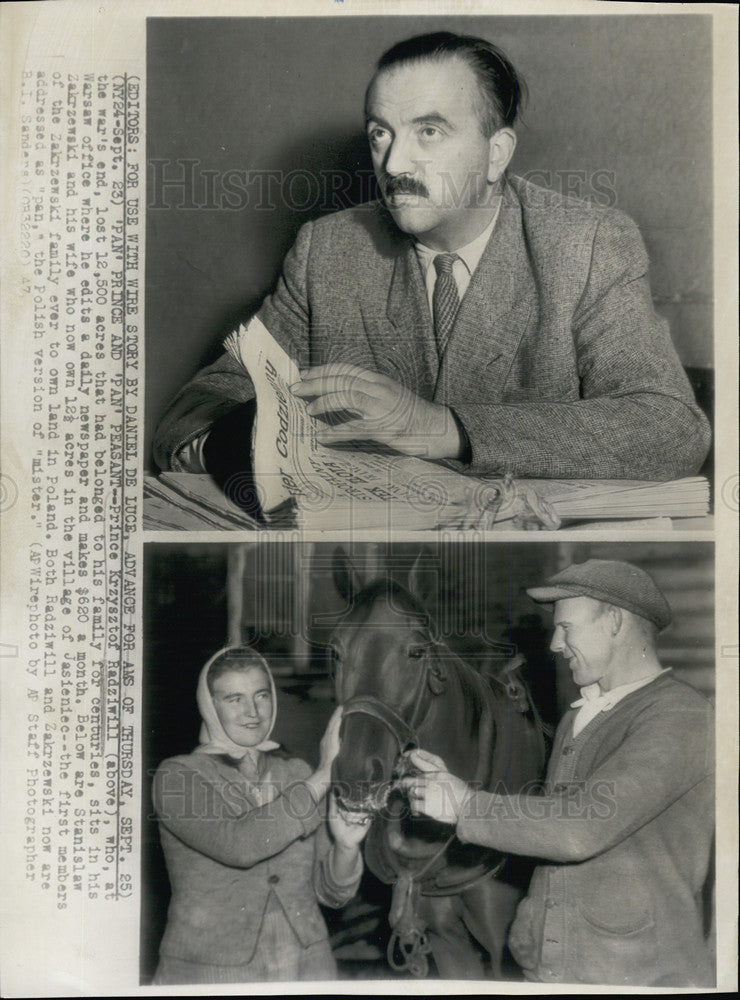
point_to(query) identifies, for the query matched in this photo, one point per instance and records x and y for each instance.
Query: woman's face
(243, 703)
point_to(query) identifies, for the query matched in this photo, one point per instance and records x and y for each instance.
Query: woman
(245, 841)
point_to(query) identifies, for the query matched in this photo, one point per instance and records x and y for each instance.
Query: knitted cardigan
(226, 854)
(626, 829)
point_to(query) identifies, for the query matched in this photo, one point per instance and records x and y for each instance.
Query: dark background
(280, 597)
(619, 112)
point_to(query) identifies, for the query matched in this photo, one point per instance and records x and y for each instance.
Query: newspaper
(348, 487)
(91, 672)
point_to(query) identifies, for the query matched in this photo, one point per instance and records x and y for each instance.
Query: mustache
(402, 185)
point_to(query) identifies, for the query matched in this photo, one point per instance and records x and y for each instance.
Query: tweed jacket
(556, 366)
(225, 854)
(627, 843)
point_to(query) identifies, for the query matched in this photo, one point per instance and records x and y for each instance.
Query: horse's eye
(416, 652)
(333, 655)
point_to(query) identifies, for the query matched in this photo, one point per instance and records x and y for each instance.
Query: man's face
(429, 153)
(243, 703)
(584, 637)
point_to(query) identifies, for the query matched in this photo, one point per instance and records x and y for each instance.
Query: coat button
(273, 879)
(549, 903)
(568, 750)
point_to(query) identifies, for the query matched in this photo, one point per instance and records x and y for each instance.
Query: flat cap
(619, 583)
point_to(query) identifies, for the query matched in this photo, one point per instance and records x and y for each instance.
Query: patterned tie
(446, 299)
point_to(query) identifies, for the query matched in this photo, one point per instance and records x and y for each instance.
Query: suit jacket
(627, 842)
(225, 854)
(557, 365)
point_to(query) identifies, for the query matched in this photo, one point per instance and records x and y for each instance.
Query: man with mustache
(469, 316)
(623, 830)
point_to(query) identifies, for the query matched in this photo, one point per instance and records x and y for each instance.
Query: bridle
(408, 936)
(404, 733)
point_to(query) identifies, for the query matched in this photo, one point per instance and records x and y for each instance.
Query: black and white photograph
(523, 748)
(368, 498)
(484, 243)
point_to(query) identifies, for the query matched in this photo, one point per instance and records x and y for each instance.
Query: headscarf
(213, 737)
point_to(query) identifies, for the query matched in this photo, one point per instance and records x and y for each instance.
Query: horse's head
(387, 670)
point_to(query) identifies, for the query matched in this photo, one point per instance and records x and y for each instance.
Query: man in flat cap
(468, 316)
(624, 827)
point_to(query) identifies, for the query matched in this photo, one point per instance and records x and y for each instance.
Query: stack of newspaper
(181, 500)
(594, 499)
(302, 483)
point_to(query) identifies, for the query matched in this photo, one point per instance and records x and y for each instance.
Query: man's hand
(385, 412)
(434, 792)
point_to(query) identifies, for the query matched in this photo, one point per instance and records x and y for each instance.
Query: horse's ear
(346, 578)
(424, 577)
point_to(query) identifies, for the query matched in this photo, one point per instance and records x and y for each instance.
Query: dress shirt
(592, 701)
(462, 269)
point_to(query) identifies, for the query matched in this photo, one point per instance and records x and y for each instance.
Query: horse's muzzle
(371, 796)
(362, 797)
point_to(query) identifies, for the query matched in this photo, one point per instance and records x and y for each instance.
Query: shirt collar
(470, 254)
(592, 692)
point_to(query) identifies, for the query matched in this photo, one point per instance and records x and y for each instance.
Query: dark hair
(502, 90)
(234, 659)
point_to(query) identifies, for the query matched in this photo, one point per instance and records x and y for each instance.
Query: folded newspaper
(302, 483)
(341, 488)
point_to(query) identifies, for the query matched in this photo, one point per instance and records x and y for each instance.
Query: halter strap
(368, 705)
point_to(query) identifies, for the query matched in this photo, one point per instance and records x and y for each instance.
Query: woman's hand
(347, 834)
(348, 829)
(330, 742)
(328, 749)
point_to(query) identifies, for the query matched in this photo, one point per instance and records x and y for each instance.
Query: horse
(401, 687)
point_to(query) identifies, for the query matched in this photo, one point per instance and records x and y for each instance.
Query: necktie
(445, 299)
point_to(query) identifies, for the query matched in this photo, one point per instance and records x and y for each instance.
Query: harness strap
(368, 705)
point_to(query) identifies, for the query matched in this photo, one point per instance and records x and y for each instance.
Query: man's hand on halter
(434, 792)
